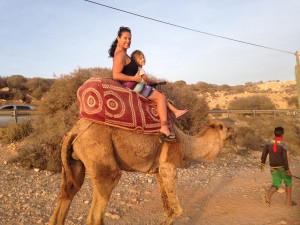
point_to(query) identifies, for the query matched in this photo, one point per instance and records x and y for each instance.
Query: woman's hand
(137, 77)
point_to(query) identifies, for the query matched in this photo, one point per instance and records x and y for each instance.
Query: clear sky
(43, 38)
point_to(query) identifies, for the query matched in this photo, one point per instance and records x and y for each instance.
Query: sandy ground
(224, 191)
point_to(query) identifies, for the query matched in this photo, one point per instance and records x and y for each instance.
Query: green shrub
(252, 103)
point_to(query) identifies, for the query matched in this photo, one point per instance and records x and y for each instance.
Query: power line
(190, 29)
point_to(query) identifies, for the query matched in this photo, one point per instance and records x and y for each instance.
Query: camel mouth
(231, 134)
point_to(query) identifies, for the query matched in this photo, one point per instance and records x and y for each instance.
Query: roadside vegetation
(256, 102)
(19, 88)
(39, 139)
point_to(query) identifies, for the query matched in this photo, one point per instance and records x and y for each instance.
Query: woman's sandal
(265, 200)
(167, 138)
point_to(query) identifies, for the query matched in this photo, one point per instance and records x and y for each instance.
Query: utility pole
(297, 73)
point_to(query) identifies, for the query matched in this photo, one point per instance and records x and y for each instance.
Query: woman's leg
(161, 102)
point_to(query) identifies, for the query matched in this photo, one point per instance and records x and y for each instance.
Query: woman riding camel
(126, 70)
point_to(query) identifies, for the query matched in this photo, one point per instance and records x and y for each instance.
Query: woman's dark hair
(113, 46)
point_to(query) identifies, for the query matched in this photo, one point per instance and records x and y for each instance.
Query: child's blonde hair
(136, 54)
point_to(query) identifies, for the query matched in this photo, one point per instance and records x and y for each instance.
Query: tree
(16, 81)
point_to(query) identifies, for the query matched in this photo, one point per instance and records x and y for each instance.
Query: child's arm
(145, 77)
(148, 80)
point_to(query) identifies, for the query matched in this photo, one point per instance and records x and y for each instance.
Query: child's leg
(289, 201)
(271, 191)
(288, 190)
(177, 112)
(276, 182)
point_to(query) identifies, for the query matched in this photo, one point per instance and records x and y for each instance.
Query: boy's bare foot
(265, 200)
(292, 203)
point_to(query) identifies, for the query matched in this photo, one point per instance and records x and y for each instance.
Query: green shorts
(278, 175)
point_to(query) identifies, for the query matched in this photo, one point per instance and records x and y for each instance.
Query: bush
(204, 87)
(15, 131)
(249, 139)
(58, 113)
(254, 102)
(38, 86)
(184, 98)
(293, 101)
(16, 81)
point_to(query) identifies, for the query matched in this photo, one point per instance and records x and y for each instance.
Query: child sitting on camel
(140, 60)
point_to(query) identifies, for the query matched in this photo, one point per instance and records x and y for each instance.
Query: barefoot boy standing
(279, 164)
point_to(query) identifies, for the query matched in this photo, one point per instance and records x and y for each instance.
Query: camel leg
(104, 181)
(169, 181)
(63, 204)
(163, 195)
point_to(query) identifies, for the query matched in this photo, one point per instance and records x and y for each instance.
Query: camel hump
(106, 101)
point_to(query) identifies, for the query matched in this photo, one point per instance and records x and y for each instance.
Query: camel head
(210, 141)
(224, 131)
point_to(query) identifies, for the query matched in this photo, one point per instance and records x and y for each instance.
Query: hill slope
(278, 91)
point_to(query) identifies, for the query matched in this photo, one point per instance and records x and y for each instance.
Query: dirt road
(225, 191)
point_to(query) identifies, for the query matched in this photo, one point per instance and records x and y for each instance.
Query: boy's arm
(264, 158)
(285, 156)
(264, 154)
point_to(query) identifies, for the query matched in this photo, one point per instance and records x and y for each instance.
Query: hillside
(277, 91)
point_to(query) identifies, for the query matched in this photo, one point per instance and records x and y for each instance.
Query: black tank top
(131, 68)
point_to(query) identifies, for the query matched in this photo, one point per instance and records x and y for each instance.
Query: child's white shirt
(142, 72)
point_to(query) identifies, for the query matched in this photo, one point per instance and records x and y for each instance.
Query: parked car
(16, 107)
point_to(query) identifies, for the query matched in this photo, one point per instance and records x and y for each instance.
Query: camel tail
(68, 182)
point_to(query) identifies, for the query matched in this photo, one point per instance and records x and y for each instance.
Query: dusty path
(220, 192)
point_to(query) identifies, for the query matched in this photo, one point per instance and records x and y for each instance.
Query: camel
(104, 151)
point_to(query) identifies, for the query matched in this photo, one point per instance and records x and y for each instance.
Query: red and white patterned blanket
(106, 101)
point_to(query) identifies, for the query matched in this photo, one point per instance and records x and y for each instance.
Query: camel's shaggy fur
(104, 151)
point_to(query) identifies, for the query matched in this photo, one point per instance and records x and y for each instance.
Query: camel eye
(221, 127)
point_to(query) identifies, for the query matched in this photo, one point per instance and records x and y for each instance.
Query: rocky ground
(224, 191)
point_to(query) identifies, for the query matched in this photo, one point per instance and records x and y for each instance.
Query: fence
(15, 115)
(274, 112)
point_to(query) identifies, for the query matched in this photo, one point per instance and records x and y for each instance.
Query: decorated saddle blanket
(106, 101)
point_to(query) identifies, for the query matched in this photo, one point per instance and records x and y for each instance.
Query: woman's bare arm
(119, 62)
